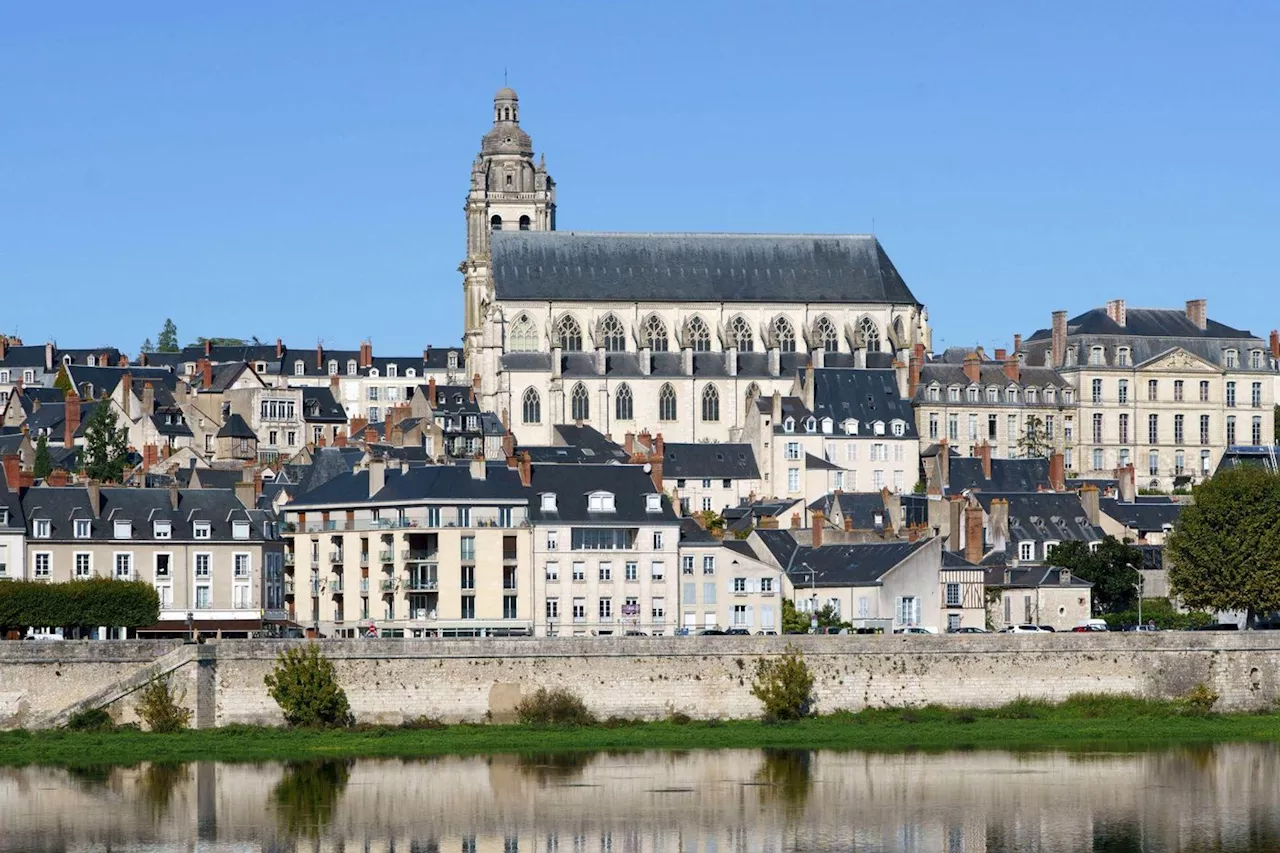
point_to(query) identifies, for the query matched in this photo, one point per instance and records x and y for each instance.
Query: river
(1208, 798)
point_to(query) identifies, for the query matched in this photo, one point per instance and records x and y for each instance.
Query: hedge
(78, 604)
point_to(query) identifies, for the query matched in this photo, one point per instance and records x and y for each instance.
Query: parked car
(1024, 629)
(711, 632)
(738, 632)
(635, 634)
(1089, 629)
(1049, 628)
(969, 630)
(913, 629)
(1143, 628)
(766, 632)
(1090, 625)
(1219, 626)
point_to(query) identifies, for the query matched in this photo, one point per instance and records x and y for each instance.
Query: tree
(168, 340)
(795, 622)
(221, 342)
(43, 465)
(106, 445)
(1035, 442)
(1111, 569)
(147, 346)
(784, 686)
(305, 686)
(62, 381)
(1224, 551)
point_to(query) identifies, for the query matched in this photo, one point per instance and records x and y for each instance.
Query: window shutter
(750, 616)
(897, 610)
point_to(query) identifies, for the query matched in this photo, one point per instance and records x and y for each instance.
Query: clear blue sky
(298, 169)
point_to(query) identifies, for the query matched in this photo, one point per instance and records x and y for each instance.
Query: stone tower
(508, 190)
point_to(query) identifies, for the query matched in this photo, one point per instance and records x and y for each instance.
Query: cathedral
(674, 333)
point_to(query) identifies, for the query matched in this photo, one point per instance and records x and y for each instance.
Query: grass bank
(1082, 722)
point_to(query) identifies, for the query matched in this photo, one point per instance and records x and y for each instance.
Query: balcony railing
(335, 556)
(418, 556)
(364, 586)
(335, 586)
(244, 605)
(387, 585)
(386, 556)
(289, 586)
(423, 584)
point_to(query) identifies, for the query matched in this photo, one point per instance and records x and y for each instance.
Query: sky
(298, 169)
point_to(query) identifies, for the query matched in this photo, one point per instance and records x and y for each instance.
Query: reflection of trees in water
(547, 768)
(158, 784)
(91, 776)
(1117, 836)
(308, 794)
(787, 777)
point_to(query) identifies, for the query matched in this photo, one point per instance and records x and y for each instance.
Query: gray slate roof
(683, 461)
(594, 267)
(61, 505)
(1145, 514)
(1007, 475)
(853, 564)
(1044, 517)
(235, 427)
(866, 395)
(572, 483)
(861, 507)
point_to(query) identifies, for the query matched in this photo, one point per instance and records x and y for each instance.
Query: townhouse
(38, 366)
(723, 585)
(708, 477)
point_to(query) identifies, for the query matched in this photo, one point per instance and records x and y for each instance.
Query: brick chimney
(205, 369)
(1275, 343)
(913, 534)
(656, 460)
(1057, 471)
(817, 519)
(508, 444)
(370, 435)
(629, 443)
(357, 425)
(279, 348)
(973, 547)
(340, 440)
(913, 369)
(1017, 344)
(148, 399)
(795, 521)
(71, 418)
(1001, 354)
(972, 367)
(1197, 312)
(1012, 367)
(1116, 311)
(526, 469)
(150, 456)
(12, 471)
(321, 442)
(1059, 338)
(319, 357)
(984, 453)
(208, 348)
(57, 477)
(431, 391)
(366, 354)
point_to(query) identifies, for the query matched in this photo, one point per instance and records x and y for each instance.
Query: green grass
(1085, 722)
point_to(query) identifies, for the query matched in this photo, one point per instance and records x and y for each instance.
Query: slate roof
(105, 379)
(1145, 514)
(865, 395)
(12, 508)
(989, 373)
(1263, 457)
(216, 478)
(441, 482)
(596, 267)
(51, 417)
(861, 507)
(572, 483)
(319, 406)
(1007, 475)
(851, 564)
(692, 533)
(1030, 577)
(61, 505)
(671, 364)
(817, 463)
(591, 442)
(327, 463)
(235, 427)
(1044, 517)
(687, 461)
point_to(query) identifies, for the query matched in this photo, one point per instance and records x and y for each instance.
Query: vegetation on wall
(305, 685)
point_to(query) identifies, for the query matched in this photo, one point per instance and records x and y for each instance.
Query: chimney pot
(818, 518)
(972, 367)
(973, 546)
(1059, 338)
(1197, 312)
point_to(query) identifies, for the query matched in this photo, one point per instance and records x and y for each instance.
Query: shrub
(90, 720)
(784, 685)
(306, 688)
(1022, 708)
(679, 718)
(558, 707)
(616, 722)
(161, 709)
(78, 604)
(1200, 701)
(425, 723)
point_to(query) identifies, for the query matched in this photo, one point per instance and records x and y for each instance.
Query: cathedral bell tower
(508, 192)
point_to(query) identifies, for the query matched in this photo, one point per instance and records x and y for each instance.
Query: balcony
(315, 589)
(386, 556)
(418, 556)
(335, 586)
(364, 558)
(244, 605)
(335, 556)
(387, 585)
(423, 584)
(289, 586)
(364, 586)
(288, 558)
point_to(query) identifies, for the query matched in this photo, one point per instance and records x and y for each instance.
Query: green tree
(795, 622)
(1035, 442)
(147, 346)
(1224, 552)
(305, 686)
(1111, 569)
(168, 340)
(43, 465)
(62, 381)
(784, 685)
(106, 445)
(222, 342)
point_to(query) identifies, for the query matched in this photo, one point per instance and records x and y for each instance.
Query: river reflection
(1218, 798)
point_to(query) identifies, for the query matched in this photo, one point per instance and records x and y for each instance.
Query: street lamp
(1139, 587)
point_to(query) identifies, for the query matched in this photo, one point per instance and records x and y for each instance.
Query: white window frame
(47, 558)
(75, 564)
(115, 565)
(201, 530)
(240, 530)
(162, 529)
(41, 528)
(1026, 551)
(82, 527)
(236, 558)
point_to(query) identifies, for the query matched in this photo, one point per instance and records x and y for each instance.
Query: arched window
(531, 407)
(869, 335)
(580, 403)
(824, 331)
(523, 336)
(667, 403)
(784, 334)
(524, 223)
(612, 335)
(495, 223)
(569, 334)
(710, 403)
(699, 335)
(654, 334)
(622, 403)
(740, 334)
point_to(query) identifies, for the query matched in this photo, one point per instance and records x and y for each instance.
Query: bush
(425, 723)
(78, 604)
(558, 707)
(306, 688)
(90, 720)
(1200, 701)
(679, 718)
(161, 709)
(1022, 708)
(784, 686)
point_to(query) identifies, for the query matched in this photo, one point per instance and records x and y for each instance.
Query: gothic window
(784, 334)
(524, 337)
(580, 403)
(740, 334)
(532, 407)
(699, 335)
(869, 335)
(569, 334)
(667, 403)
(710, 403)
(612, 335)
(825, 332)
(622, 407)
(524, 223)
(495, 223)
(654, 334)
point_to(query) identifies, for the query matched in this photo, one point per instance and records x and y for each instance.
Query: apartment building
(723, 585)
(433, 551)
(1167, 391)
(709, 477)
(209, 552)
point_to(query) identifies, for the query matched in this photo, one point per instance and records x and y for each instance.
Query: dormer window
(333, 368)
(299, 368)
(352, 367)
(953, 394)
(1122, 357)
(260, 367)
(122, 530)
(878, 427)
(653, 503)
(1071, 356)
(411, 374)
(811, 424)
(993, 394)
(41, 528)
(201, 530)
(548, 501)
(82, 528)
(850, 427)
(1012, 393)
(90, 361)
(392, 371)
(162, 530)
(1031, 395)
(239, 530)
(972, 393)
(189, 367)
(1233, 358)
(452, 361)
(1097, 355)
(827, 425)
(601, 502)
(373, 371)
(899, 428)
(1049, 394)
(935, 393)
(789, 424)
(1255, 359)
(1068, 395)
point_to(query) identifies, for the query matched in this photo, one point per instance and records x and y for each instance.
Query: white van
(1091, 625)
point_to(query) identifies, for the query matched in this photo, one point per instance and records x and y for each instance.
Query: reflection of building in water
(740, 801)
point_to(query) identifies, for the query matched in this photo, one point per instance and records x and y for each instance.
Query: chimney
(1126, 478)
(777, 408)
(377, 475)
(1012, 367)
(944, 463)
(1089, 499)
(173, 495)
(93, 491)
(366, 354)
(123, 361)
(370, 435)
(12, 471)
(321, 441)
(972, 367)
(279, 348)
(431, 392)
(126, 395)
(208, 348)
(526, 469)
(508, 444)
(150, 456)
(818, 519)
(206, 372)
(244, 494)
(999, 524)
(1197, 313)
(984, 453)
(892, 509)
(1001, 355)
(1115, 310)
(913, 369)
(475, 387)
(1057, 471)
(71, 418)
(973, 547)
(955, 521)
(148, 399)
(334, 382)
(4, 346)
(1275, 343)
(1059, 338)
(57, 477)
(340, 440)
(795, 521)
(477, 467)
(48, 357)
(913, 534)
(319, 357)
(848, 523)
(656, 461)
(357, 425)
(1017, 344)
(629, 443)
